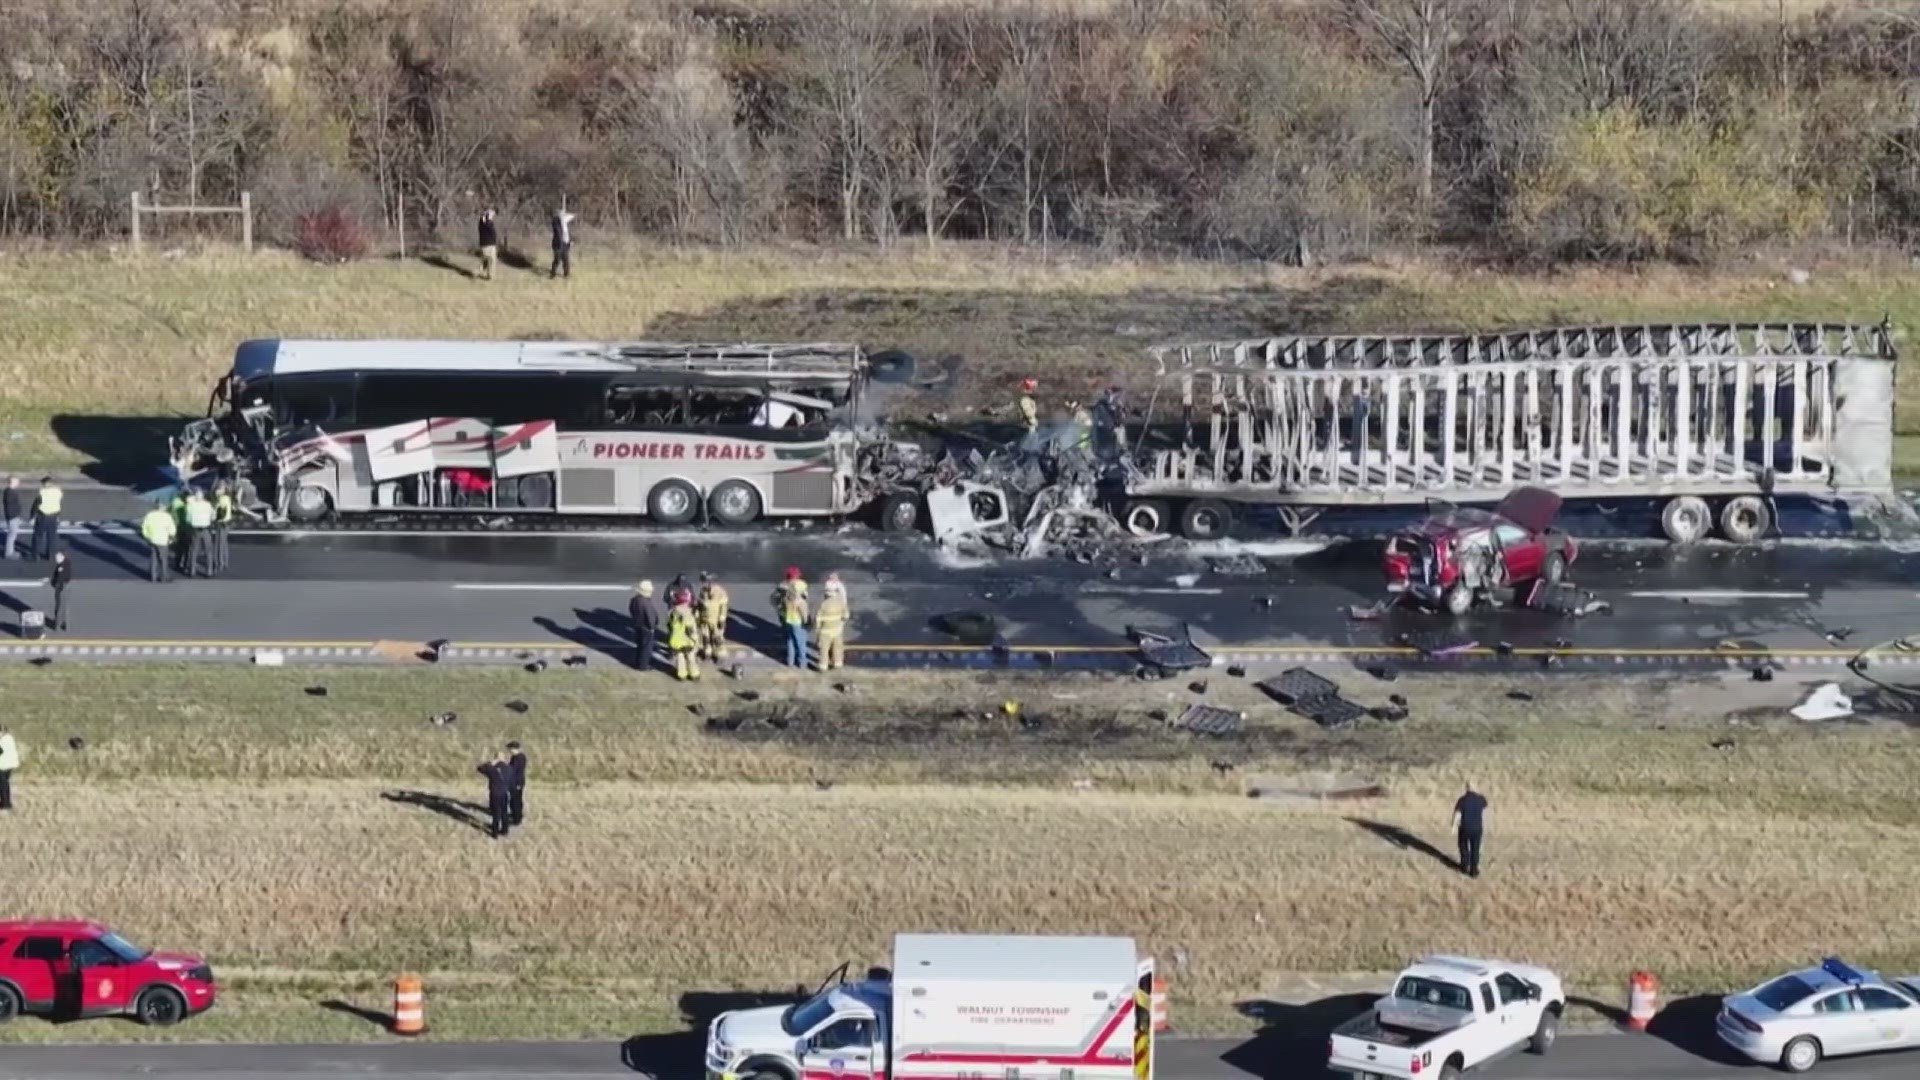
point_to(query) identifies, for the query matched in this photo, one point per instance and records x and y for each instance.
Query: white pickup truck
(1448, 1014)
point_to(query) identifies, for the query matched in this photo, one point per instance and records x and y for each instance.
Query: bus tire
(734, 502)
(1205, 519)
(535, 492)
(900, 512)
(673, 502)
(309, 502)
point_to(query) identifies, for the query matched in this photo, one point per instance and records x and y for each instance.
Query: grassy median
(315, 846)
(76, 321)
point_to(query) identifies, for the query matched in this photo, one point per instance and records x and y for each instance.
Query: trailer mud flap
(1143, 1023)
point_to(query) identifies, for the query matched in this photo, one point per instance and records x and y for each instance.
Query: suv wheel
(160, 1007)
(10, 1003)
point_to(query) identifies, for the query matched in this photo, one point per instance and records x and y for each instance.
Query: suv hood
(175, 961)
(753, 1029)
(1530, 508)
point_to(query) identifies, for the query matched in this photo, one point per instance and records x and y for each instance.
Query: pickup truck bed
(1401, 1024)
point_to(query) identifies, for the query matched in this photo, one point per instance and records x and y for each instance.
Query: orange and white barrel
(1643, 999)
(409, 1006)
(1161, 1021)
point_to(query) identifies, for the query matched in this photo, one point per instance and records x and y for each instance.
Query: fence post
(136, 220)
(246, 221)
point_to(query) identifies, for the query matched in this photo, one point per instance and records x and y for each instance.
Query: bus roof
(276, 356)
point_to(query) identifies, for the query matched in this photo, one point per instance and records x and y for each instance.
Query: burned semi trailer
(1713, 420)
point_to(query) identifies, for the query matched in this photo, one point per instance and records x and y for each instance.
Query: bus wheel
(535, 492)
(310, 502)
(673, 502)
(900, 512)
(734, 503)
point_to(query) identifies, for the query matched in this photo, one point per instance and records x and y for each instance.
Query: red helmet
(1029, 384)
(793, 573)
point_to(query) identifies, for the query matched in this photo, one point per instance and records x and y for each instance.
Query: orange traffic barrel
(1643, 999)
(409, 1006)
(1160, 1020)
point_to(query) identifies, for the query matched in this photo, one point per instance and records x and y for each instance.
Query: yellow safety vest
(679, 628)
(199, 513)
(50, 497)
(157, 527)
(713, 604)
(1029, 412)
(833, 614)
(223, 507)
(793, 604)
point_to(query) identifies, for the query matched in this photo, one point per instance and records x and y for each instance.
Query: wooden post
(246, 222)
(136, 220)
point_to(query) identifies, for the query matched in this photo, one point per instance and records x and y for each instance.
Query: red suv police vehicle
(72, 969)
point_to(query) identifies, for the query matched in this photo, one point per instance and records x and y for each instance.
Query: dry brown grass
(1619, 838)
(96, 346)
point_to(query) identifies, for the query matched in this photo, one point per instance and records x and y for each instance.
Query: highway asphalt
(1577, 1057)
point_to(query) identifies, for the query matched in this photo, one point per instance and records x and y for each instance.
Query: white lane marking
(23, 584)
(1717, 594)
(1117, 591)
(539, 586)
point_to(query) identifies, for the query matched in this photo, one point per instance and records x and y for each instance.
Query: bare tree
(1420, 35)
(851, 47)
(136, 44)
(935, 120)
(1026, 90)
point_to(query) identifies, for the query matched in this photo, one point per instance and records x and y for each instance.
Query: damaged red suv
(1462, 555)
(73, 969)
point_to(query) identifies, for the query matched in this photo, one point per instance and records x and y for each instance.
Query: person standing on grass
(489, 244)
(1469, 813)
(46, 517)
(15, 510)
(9, 761)
(562, 245)
(499, 776)
(516, 784)
(61, 577)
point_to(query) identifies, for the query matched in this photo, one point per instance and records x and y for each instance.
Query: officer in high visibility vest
(790, 606)
(682, 635)
(157, 529)
(830, 624)
(46, 518)
(222, 521)
(713, 611)
(200, 538)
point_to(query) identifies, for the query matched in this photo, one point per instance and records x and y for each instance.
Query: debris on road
(1169, 649)
(1210, 720)
(1435, 643)
(1824, 702)
(1238, 566)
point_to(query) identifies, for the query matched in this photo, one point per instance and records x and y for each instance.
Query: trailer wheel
(734, 503)
(1685, 519)
(900, 512)
(1145, 518)
(1745, 519)
(309, 502)
(535, 492)
(673, 502)
(1205, 519)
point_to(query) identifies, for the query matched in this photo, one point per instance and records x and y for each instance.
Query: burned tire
(1745, 520)
(892, 367)
(160, 1006)
(1686, 519)
(673, 502)
(900, 512)
(1145, 518)
(734, 502)
(1205, 519)
(535, 492)
(1458, 600)
(309, 502)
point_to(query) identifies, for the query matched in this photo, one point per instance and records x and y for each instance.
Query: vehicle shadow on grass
(679, 1054)
(470, 814)
(1401, 837)
(1292, 1040)
(124, 449)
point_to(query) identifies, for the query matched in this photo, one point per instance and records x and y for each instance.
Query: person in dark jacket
(15, 510)
(489, 244)
(499, 776)
(562, 245)
(516, 784)
(61, 577)
(1469, 814)
(646, 624)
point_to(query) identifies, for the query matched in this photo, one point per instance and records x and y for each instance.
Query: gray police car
(1827, 1011)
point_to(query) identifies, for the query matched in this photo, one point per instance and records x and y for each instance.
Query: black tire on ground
(1545, 1034)
(734, 502)
(1449, 1071)
(673, 502)
(892, 366)
(900, 512)
(10, 1003)
(1206, 519)
(1686, 519)
(1800, 1055)
(1745, 519)
(309, 502)
(535, 492)
(1145, 518)
(1555, 570)
(1458, 600)
(160, 1007)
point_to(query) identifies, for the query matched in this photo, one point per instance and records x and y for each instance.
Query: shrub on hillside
(331, 235)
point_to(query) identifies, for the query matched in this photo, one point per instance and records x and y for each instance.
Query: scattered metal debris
(1238, 566)
(1519, 695)
(316, 691)
(1384, 673)
(537, 667)
(1824, 702)
(1296, 685)
(1198, 686)
(1209, 720)
(76, 743)
(518, 706)
(576, 661)
(1726, 743)
(747, 695)
(1169, 649)
(1222, 767)
(443, 719)
(1433, 643)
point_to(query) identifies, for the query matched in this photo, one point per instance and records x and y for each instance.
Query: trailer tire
(534, 492)
(900, 512)
(1685, 519)
(734, 503)
(1205, 519)
(1145, 518)
(673, 502)
(1745, 519)
(309, 502)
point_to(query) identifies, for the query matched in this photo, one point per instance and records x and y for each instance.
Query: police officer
(222, 521)
(199, 536)
(516, 784)
(830, 624)
(683, 634)
(646, 624)
(61, 577)
(1469, 812)
(499, 787)
(182, 532)
(157, 528)
(714, 605)
(46, 517)
(790, 605)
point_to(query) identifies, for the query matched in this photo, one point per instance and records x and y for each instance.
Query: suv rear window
(1783, 993)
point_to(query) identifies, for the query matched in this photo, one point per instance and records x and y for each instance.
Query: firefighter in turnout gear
(714, 609)
(1029, 408)
(790, 607)
(830, 624)
(682, 635)
(222, 521)
(200, 536)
